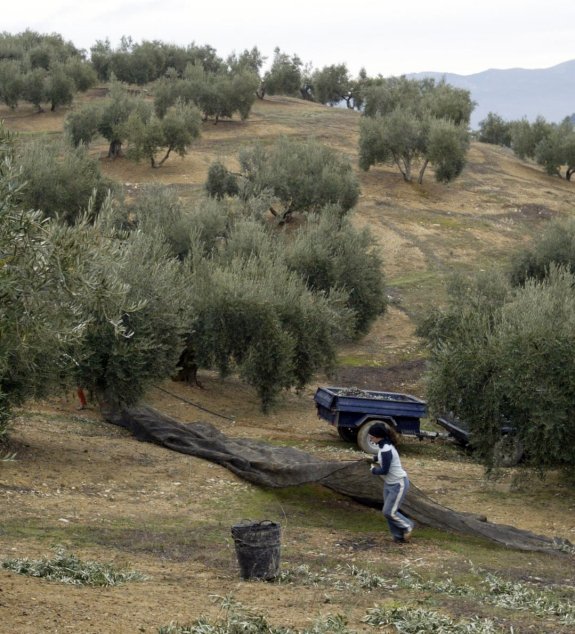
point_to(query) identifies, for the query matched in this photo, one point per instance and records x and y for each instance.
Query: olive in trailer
(353, 412)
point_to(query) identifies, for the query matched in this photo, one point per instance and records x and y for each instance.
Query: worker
(395, 481)
(82, 398)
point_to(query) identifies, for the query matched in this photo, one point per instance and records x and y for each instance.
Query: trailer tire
(508, 451)
(363, 441)
(349, 434)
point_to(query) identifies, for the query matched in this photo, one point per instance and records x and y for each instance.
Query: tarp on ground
(274, 466)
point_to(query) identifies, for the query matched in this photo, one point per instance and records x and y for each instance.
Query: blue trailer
(353, 411)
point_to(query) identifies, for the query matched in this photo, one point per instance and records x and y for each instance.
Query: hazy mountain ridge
(517, 92)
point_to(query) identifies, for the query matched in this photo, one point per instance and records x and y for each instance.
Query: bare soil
(83, 484)
(90, 487)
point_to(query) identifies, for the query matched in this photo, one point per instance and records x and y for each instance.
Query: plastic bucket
(258, 546)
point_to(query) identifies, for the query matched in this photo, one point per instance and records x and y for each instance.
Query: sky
(384, 37)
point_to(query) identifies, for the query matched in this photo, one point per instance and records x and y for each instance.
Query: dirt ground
(83, 484)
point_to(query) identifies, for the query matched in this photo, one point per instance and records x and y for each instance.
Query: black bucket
(258, 549)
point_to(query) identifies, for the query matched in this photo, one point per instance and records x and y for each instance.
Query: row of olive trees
(42, 68)
(551, 145)
(501, 352)
(267, 304)
(114, 300)
(122, 117)
(152, 131)
(413, 123)
(145, 62)
(39, 68)
(329, 85)
(217, 95)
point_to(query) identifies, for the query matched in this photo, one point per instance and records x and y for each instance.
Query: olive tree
(34, 87)
(148, 135)
(37, 320)
(11, 83)
(398, 138)
(551, 145)
(60, 88)
(526, 136)
(557, 149)
(331, 84)
(330, 254)
(502, 357)
(555, 245)
(100, 56)
(285, 76)
(217, 96)
(81, 125)
(300, 175)
(221, 96)
(414, 123)
(135, 308)
(220, 181)
(254, 316)
(355, 96)
(495, 130)
(60, 181)
(446, 150)
(81, 72)
(113, 115)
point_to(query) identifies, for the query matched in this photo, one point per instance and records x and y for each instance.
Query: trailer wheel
(363, 441)
(349, 434)
(508, 451)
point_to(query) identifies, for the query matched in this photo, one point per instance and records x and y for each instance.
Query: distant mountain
(517, 92)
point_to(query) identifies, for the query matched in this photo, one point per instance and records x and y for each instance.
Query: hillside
(516, 93)
(424, 232)
(92, 488)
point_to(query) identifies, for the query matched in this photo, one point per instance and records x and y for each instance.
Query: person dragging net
(395, 481)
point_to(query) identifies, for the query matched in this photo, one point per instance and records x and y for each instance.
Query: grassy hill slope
(92, 488)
